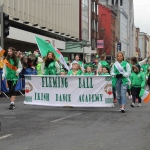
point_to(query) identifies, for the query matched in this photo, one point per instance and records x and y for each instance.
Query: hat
(138, 66)
(62, 70)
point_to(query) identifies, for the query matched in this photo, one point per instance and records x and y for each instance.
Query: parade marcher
(99, 71)
(137, 82)
(76, 70)
(62, 72)
(102, 62)
(77, 60)
(121, 70)
(51, 65)
(11, 70)
(105, 71)
(40, 66)
(88, 71)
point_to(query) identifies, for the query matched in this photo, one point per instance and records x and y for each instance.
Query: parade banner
(74, 91)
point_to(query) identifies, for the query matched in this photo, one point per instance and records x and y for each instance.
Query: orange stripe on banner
(2, 52)
(10, 65)
(146, 100)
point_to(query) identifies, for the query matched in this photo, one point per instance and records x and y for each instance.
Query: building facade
(107, 30)
(59, 21)
(137, 52)
(126, 22)
(143, 45)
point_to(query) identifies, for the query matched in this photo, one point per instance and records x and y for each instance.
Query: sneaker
(139, 105)
(115, 101)
(12, 106)
(132, 104)
(123, 110)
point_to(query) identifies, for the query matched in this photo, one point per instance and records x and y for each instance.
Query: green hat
(97, 56)
(62, 70)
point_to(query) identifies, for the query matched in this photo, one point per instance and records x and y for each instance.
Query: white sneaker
(132, 104)
(123, 110)
(139, 105)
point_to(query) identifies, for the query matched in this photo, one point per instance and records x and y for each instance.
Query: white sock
(12, 103)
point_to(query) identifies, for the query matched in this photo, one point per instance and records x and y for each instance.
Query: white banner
(75, 91)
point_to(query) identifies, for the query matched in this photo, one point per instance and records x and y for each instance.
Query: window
(112, 2)
(121, 2)
(116, 2)
(93, 43)
(96, 26)
(93, 6)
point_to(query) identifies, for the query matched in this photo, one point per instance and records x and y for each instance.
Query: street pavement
(56, 128)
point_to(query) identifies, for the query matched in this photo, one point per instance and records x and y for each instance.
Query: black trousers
(129, 92)
(12, 87)
(135, 94)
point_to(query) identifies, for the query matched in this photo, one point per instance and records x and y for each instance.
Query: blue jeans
(121, 92)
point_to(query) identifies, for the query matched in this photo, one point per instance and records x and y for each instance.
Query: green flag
(45, 47)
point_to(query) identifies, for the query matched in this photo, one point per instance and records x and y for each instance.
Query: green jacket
(11, 74)
(88, 74)
(105, 74)
(137, 80)
(103, 64)
(52, 69)
(125, 79)
(79, 72)
(145, 67)
(39, 69)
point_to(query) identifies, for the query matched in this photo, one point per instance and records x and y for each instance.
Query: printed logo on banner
(28, 77)
(108, 89)
(28, 98)
(28, 87)
(108, 100)
(108, 79)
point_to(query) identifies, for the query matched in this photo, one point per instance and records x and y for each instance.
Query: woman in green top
(11, 72)
(51, 65)
(121, 71)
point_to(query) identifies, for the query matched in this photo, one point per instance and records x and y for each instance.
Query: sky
(142, 15)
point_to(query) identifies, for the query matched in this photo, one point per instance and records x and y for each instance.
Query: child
(76, 70)
(100, 71)
(105, 71)
(88, 71)
(137, 82)
(62, 72)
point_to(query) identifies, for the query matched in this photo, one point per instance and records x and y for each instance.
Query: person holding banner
(11, 70)
(51, 65)
(76, 70)
(121, 71)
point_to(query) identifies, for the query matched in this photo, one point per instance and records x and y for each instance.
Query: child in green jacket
(137, 82)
